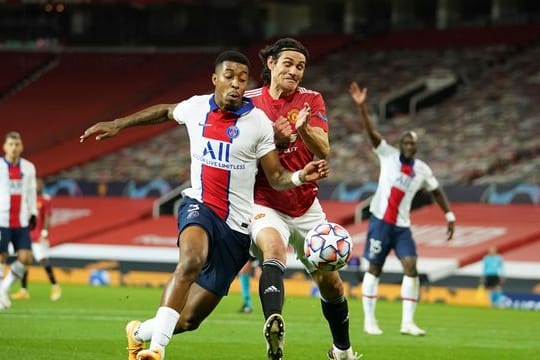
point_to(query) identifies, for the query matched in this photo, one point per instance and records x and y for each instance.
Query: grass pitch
(88, 323)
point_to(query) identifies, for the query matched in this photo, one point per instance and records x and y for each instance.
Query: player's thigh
(378, 243)
(200, 303)
(5, 239)
(267, 221)
(20, 239)
(300, 226)
(404, 245)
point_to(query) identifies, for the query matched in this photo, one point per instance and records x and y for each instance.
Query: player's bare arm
(359, 97)
(315, 138)
(442, 201)
(282, 179)
(155, 114)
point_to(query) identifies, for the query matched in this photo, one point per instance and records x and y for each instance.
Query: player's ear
(270, 62)
(214, 79)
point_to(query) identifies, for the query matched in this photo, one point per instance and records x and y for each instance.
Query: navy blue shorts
(228, 249)
(383, 237)
(19, 237)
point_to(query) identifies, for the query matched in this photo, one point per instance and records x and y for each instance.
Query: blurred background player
(244, 276)
(283, 218)
(401, 177)
(493, 271)
(251, 270)
(40, 246)
(18, 211)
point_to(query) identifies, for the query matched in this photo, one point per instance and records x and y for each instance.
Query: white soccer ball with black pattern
(328, 246)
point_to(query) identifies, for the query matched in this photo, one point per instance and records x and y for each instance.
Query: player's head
(230, 79)
(407, 144)
(13, 146)
(284, 63)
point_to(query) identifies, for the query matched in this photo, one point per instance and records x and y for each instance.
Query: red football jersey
(44, 209)
(294, 155)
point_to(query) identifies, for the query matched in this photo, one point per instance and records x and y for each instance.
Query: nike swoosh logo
(205, 125)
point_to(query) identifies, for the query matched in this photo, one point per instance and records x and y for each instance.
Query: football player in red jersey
(284, 218)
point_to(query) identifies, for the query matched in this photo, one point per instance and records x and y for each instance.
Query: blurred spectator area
(51, 111)
(487, 130)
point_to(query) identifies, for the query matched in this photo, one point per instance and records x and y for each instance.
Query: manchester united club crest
(292, 116)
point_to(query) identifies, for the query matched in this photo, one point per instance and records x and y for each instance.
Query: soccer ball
(328, 246)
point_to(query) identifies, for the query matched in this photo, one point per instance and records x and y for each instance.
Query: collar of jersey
(406, 161)
(11, 164)
(246, 107)
(266, 91)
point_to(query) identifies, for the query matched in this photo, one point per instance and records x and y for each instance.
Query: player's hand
(282, 131)
(315, 170)
(32, 222)
(358, 95)
(450, 230)
(102, 130)
(303, 116)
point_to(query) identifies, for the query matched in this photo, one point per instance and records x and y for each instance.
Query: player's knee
(410, 270)
(275, 250)
(25, 258)
(190, 266)
(375, 270)
(330, 285)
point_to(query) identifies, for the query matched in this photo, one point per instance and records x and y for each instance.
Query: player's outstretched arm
(152, 115)
(282, 179)
(359, 97)
(442, 201)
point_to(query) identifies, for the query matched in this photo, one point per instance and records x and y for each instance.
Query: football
(328, 246)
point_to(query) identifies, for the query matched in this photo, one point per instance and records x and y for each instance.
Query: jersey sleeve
(31, 190)
(384, 149)
(266, 138)
(430, 182)
(318, 113)
(180, 112)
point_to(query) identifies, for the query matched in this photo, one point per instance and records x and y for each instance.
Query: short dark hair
(275, 50)
(232, 55)
(13, 135)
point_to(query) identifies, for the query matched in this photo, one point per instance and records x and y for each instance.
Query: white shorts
(293, 230)
(40, 250)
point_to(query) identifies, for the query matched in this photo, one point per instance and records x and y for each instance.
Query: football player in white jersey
(228, 138)
(401, 177)
(18, 210)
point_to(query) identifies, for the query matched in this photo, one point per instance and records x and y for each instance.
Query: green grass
(88, 323)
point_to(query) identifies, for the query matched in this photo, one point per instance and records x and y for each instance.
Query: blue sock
(244, 285)
(497, 297)
(493, 297)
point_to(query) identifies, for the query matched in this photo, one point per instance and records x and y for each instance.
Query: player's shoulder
(191, 104)
(198, 99)
(27, 164)
(421, 165)
(308, 92)
(259, 114)
(384, 148)
(252, 93)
